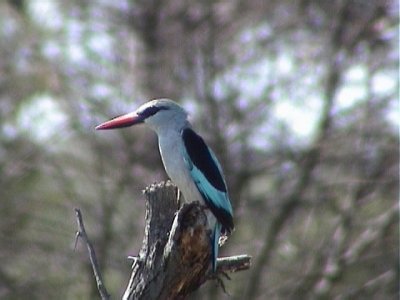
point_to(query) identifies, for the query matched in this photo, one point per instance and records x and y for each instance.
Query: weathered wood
(175, 258)
(176, 253)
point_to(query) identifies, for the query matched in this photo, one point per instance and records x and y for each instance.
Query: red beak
(122, 121)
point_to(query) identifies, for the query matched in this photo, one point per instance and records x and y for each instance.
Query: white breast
(171, 149)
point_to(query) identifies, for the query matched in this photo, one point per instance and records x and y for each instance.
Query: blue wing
(207, 175)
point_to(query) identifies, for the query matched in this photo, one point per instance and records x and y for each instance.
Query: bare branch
(176, 253)
(92, 255)
(234, 263)
(371, 234)
(175, 257)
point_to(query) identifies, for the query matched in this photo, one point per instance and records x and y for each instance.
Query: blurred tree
(298, 98)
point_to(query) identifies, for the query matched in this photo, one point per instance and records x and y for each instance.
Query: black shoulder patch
(202, 158)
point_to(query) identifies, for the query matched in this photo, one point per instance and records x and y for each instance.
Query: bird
(189, 162)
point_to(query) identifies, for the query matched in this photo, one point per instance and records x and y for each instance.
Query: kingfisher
(188, 161)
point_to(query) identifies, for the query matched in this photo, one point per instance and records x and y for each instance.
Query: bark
(175, 258)
(176, 252)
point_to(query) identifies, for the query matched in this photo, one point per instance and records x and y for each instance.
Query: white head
(158, 114)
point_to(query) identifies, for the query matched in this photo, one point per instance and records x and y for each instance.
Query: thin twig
(232, 264)
(92, 255)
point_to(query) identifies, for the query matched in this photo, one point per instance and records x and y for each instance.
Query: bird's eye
(150, 111)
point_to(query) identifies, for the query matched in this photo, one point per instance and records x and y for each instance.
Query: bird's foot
(217, 277)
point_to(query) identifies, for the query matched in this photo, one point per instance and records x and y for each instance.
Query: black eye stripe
(150, 111)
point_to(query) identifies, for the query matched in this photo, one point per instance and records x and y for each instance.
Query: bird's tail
(215, 244)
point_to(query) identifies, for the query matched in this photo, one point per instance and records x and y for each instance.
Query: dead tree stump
(175, 258)
(175, 255)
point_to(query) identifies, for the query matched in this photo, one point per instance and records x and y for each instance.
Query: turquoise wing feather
(206, 173)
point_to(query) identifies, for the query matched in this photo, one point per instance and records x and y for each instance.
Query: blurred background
(299, 100)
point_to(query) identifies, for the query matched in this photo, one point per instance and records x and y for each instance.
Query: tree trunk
(175, 258)
(176, 253)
